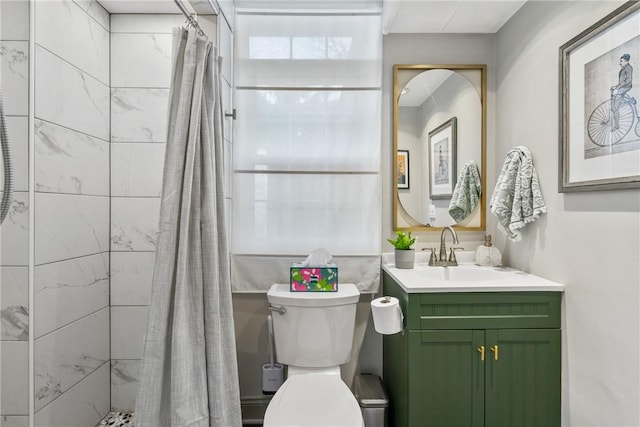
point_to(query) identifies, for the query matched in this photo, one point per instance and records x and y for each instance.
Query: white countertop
(467, 277)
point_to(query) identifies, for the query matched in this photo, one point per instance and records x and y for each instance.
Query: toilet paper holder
(388, 318)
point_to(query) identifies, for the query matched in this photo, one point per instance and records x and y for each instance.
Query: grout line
(135, 197)
(71, 258)
(74, 385)
(93, 17)
(71, 129)
(59, 193)
(59, 328)
(138, 142)
(72, 65)
(101, 196)
(32, 215)
(110, 219)
(141, 87)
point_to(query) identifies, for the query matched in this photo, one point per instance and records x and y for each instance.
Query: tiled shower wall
(14, 232)
(140, 75)
(71, 242)
(99, 134)
(140, 78)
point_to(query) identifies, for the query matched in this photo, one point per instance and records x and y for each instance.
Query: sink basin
(467, 278)
(459, 273)
(470, 274)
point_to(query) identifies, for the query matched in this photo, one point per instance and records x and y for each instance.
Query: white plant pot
(405, 258)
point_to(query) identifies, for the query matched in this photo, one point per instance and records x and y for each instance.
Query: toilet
(313, 335)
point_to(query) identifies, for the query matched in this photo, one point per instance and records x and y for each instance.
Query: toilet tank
(316, 328)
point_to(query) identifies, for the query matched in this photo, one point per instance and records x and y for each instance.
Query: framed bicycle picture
(403, 169)
(599, 111)
(442, 163)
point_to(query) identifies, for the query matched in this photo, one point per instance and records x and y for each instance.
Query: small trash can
(372, 399)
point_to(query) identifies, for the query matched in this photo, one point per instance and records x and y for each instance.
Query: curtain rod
(192, 21)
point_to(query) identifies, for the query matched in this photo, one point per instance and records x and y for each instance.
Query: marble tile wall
(140, 75)
(14, 232)
(140, 79)
(72, 210)
(99, 141)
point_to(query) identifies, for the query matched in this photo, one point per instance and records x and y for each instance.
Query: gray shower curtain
(189, 374)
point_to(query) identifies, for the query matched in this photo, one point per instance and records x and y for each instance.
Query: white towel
(517, 199)
(466, 195)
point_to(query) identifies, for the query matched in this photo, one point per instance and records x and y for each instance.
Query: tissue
(318, 258)
(314, 274)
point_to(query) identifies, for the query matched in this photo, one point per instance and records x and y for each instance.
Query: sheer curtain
(189, 374)
(307, 145)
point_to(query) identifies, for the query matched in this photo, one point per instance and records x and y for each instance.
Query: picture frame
(599, 118)
(402, 159)
(442, 159)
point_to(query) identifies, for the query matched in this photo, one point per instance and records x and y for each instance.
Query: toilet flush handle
(280, 310)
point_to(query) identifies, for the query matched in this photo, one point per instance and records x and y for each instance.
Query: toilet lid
(313, 401)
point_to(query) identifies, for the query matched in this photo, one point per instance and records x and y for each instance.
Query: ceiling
(399, 16)
(447, 16)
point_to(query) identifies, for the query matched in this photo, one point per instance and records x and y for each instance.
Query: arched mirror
(439, 142)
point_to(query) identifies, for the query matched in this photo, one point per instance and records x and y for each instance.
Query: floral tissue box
(314, 279)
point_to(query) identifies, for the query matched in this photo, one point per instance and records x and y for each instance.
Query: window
(306, 155)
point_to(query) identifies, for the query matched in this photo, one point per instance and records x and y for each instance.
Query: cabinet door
(523, 378)
(446, 378)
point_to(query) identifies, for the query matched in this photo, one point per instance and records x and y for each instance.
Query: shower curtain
(189, 374)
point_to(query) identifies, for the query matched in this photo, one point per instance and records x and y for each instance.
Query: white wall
(588, 241)
(71, 233)
(140, 80)
(14, 232)
(409, 138)
(140, 77)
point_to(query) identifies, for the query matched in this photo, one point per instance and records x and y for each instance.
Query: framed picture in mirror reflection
(403, 169)
(442, 160)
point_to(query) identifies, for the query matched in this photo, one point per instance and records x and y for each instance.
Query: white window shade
(308, 130)
(294, 214)
(306, 153)
(308, 50)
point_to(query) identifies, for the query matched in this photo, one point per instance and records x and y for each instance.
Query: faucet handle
(432, 256)
(452, 254)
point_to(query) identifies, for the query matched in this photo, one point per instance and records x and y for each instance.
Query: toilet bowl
(314, 400)
(313, 335)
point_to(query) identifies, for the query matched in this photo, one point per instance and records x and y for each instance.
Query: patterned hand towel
(517, 199)
(466, 195)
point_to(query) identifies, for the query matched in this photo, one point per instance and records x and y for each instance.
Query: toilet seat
(313, 400)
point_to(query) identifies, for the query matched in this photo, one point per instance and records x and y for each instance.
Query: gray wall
(430, 49)
(590, 241)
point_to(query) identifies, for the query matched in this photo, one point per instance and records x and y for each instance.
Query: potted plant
(404, 253)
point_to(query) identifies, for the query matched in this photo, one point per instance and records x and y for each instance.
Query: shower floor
(117, 419)
(125, 419)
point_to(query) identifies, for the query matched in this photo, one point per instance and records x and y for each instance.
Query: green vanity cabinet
(474, 359)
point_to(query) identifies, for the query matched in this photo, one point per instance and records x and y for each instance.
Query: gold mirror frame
(413, 70)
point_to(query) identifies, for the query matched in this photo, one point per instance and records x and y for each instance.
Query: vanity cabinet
(474, 359)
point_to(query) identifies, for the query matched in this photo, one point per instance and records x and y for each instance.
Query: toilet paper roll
(387, 315)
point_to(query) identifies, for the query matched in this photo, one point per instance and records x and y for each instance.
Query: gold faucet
(442, 260)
